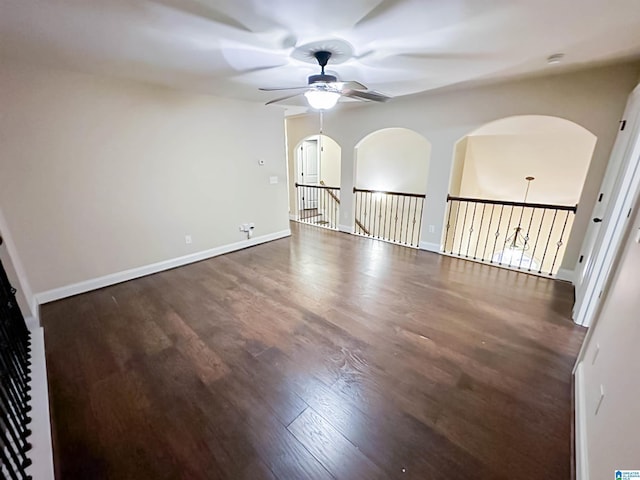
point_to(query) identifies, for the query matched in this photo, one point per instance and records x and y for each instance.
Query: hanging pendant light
(513, 254)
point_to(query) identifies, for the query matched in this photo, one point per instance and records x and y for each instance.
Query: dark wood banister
(324, 187)
(401, 194)
(570, 208)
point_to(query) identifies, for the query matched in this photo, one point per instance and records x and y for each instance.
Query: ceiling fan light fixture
(322, 99)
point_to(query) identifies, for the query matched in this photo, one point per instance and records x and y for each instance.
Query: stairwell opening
(391, 167)
(514, 192)
(317, 167)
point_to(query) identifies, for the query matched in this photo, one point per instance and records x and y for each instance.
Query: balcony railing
(390, 216)
(530, 237)
(318, 205)
(15, 378)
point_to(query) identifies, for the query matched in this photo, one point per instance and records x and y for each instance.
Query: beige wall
(393, 159)
(98, 175)
(330, 157)
(611, 360)
(593, 98)
(496, 166)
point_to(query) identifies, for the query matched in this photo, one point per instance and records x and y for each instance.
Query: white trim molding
(580, 426)
(118, 277)
(41, 453)
(18, 266)
(565, 274)
(345, 228)
(32, 323)
(430, 247)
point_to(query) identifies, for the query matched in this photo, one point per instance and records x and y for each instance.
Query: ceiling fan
(324, 90)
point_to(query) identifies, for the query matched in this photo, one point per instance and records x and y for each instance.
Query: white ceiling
(400, 47)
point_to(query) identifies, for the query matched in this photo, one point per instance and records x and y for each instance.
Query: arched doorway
(514, 190)
(390, 185)
(317, 181)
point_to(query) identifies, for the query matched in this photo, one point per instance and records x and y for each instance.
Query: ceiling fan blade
(283, 88)
(370, 95)
(282, 98)
(352, 85)
(259, 69)
(382, 9)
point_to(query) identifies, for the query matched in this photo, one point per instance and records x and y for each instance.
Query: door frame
(300, 162)
(616, 163)
(615, 220)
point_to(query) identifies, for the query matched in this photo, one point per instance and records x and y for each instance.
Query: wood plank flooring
(320, 356)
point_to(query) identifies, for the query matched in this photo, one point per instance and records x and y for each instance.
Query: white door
(308, 173)
(611, 218)
(587, 252)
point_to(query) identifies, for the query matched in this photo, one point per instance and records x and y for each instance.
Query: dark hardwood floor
(323, 355)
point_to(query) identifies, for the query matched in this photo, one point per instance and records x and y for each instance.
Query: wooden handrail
(362, 227)
(324, 187)
(570, 208)
(402, 194)
(331, 194)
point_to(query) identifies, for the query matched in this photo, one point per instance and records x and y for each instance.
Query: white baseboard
(41, 453)
(565, 274)
(293, 217)
(118, 277)
(32, 323)
(582, 466)
(430, 247)
(345, 228)
(35, 308)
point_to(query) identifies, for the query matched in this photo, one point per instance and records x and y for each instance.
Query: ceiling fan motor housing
(328, 87)
(322, 78)
(322, 56)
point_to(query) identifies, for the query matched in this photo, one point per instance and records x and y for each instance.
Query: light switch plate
(273, 180)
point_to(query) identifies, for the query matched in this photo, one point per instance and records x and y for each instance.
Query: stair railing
(529, 237)
(15, 385)
(318, 205)
(394, 217)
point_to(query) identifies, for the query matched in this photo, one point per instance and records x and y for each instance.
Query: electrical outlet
(187, 239)
(432, 228)
(273, 180)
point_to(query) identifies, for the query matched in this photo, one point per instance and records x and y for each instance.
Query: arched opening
(317, 181)
(514, 190)
(390, 185)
